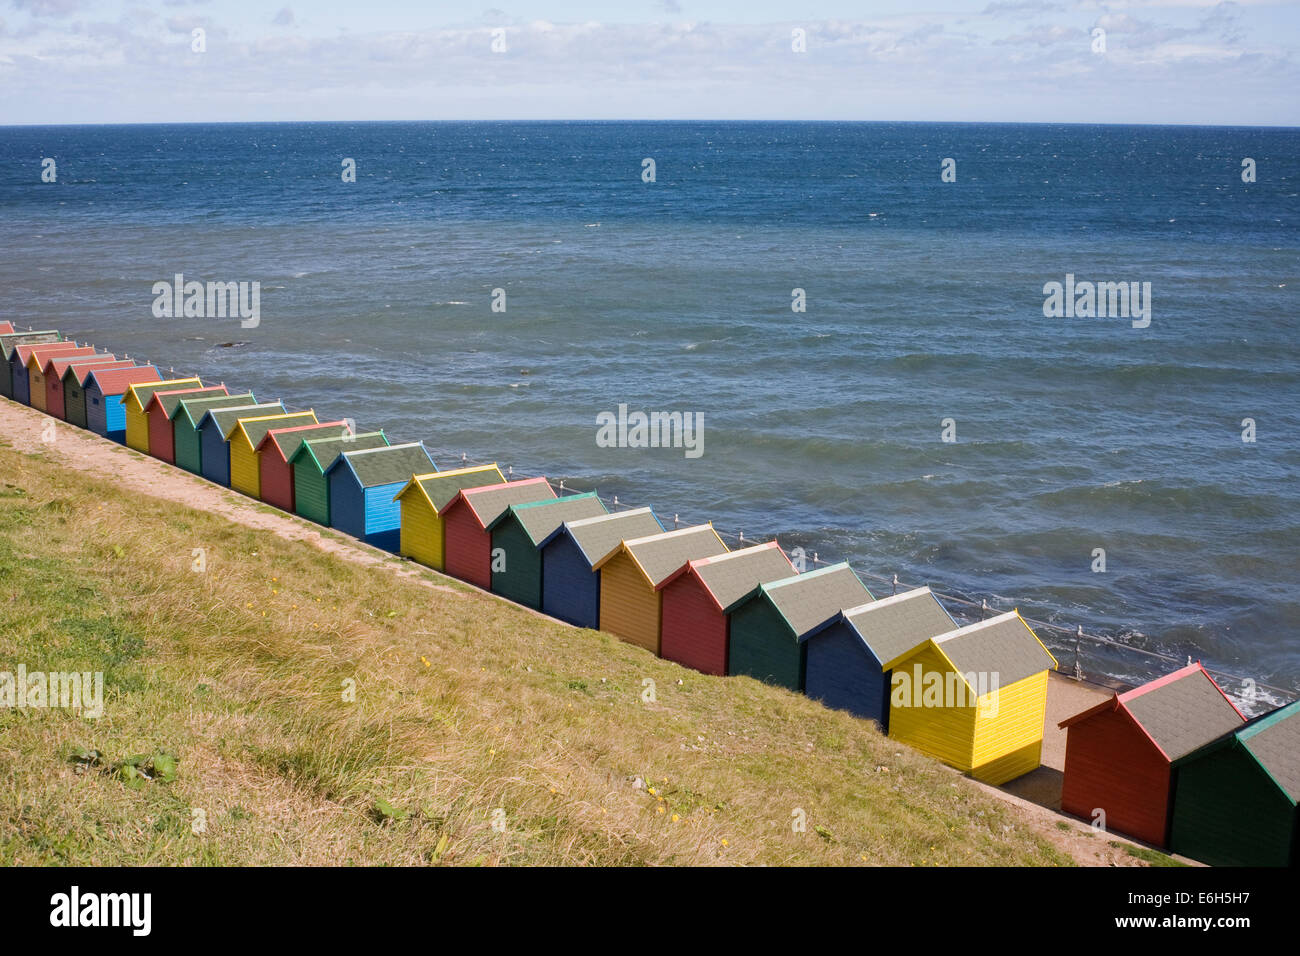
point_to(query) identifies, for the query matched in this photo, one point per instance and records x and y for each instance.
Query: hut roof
(728, 577)
(325, 451)
(192, 410)
(81, 371)
(43, 352)
(255, 428)
(540, 518)
(226, 420)
(487, 502)
(596, 537)
(115, 381)
(896, 624)
(9, 342)
(169, 399)
(287, 440)
(1179, 712)
(440, 488)
(659, 555)
(143, 391)
(1003, 645)
(56, 365)
(385, 464)
(1274, 739)
(6, 328)
(809, 600)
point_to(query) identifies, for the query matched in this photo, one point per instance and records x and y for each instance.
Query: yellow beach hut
(975, 697)
(422, 501)
(631, 606)
(245, 467)
(136, 398)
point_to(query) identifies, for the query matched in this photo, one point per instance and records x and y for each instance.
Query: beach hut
(278, 447)
(72, 389)
(158, 411)
(695, 597)
(1119, 754)
(517, 532)
(244, 440)
(631, 606)
(187, 447)
(422, 502)
(37, 365)
(770, 622)
(6, 328)
(845, 656)
(1235, 798)
(134, 401)
(975, 698)
(8, 343)
(311, 490)
(105, 389)
(52, 377)
(570, 583)
(467, 544)
(21, 364)
(363, 487)
(215, 428)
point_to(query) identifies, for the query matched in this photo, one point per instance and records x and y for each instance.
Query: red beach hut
(1118, 754)
(466, 518)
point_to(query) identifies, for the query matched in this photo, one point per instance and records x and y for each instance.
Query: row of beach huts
(1172, 763)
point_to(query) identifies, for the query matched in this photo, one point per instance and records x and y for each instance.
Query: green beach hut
(518, 532)
(770, 624)
(186, 415)
(1235, 798)
(311, 490)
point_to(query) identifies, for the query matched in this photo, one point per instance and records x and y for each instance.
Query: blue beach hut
(363, 488)
(570, 588)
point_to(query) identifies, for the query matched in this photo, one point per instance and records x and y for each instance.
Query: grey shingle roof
(257, 428)
(327, 450)
(1002, 646)
(540, 518)
(225, 419)
(442, 488)
(661, 554)
(12, 340)
(296, 435)
(169, 399)
(144, 390)
(487, 503)
(1182, 714)
(597, 537)
(809, 600)
(896, 624)
(196, 408)
(731, 576)
(386, 465)
(1277, 747)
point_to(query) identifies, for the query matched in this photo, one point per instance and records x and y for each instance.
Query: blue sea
(924, 302)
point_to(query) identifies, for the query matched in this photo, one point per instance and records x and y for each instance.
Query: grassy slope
(464, 705)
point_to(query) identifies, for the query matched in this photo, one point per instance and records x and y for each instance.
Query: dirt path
(1036, 796)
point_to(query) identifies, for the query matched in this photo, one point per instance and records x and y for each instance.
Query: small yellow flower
(492, 751)
(676, 818)
(553, 790)
(652, 791)
(659, 809)
(725, 843)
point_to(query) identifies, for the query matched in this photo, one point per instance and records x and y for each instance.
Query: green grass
(464, 706)
(1146, 855)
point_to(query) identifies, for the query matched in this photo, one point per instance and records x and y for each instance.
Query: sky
(1153, 61)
